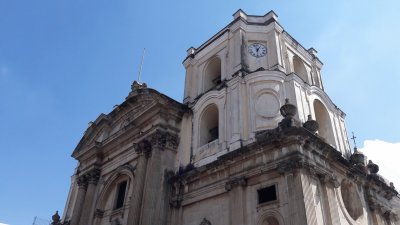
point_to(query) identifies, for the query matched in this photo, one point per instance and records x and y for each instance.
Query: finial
(354, 140)
(55, 218)
(288, 110)
(311, 124)
(372, 167)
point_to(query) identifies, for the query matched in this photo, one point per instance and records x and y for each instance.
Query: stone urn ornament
(288, 110)
(357, 158)
(372, 167)
(311, 125)
(56, 219)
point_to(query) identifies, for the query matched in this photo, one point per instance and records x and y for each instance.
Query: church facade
(256, 141)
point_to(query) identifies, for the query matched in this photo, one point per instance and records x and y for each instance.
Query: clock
(257, 50)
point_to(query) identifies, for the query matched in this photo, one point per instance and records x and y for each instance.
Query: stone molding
(235, 182)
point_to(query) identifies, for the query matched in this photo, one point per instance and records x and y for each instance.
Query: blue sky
(64, 62)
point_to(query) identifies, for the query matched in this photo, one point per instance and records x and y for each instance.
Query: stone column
(92, 178)
(76, 213)
(143, 149)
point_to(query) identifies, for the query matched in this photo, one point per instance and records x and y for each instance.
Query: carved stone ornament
(235, 182)
(93, 176)
(357, 158)
(205, 222)
(82, 181)
(372, 167)
(311, 125)
(137, 85)
(164, 140)
(56, 219)
(143, 148)
(288, 110)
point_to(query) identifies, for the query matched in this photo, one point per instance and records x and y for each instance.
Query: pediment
(123, 116)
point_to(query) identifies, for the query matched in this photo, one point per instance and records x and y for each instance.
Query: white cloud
(3, 224)
(387, 156)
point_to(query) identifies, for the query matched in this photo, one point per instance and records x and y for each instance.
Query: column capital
(164, 139)
(93, 176)
(82, 182)
(158, 140)
(143, 148)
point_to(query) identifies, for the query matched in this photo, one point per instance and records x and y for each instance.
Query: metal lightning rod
(141, 65)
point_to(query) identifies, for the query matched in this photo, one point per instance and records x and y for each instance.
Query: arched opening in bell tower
(325, 126)
(212, 74)
(299, 68)
(209, 125)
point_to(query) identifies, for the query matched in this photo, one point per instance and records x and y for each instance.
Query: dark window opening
(267, 194)
(217, 80)
(213, 134)
(120, 195)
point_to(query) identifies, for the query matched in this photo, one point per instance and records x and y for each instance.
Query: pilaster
(237, 200)
(143, 149)
(92, 178)
(80, 198)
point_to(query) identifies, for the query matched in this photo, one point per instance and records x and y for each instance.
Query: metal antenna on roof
(141, 65)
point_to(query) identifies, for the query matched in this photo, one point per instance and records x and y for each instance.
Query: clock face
(257, 50)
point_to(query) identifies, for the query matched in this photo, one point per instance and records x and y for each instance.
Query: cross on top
(354, 140)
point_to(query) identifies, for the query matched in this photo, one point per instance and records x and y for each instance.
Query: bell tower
(237, 81)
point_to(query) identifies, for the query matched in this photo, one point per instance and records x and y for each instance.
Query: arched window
(325, 126)
(299, 68)
(209, 125)
(212, 74)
